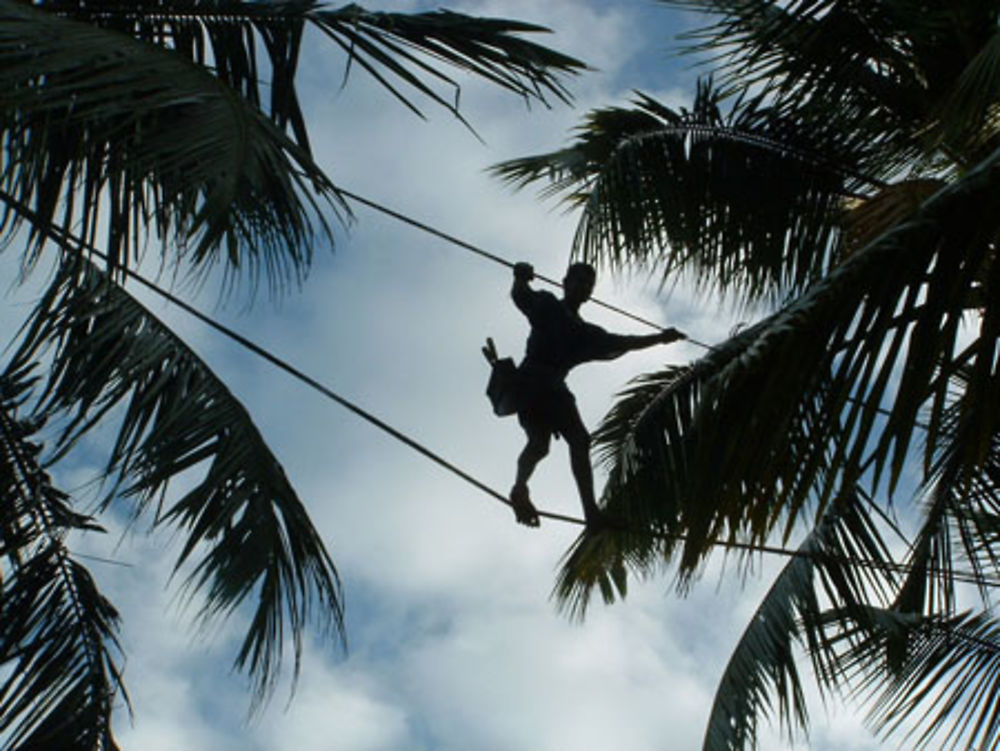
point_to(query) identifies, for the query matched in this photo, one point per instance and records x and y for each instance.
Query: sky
(454, 641)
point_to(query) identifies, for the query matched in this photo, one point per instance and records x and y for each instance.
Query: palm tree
(839, 176)
(173, 126)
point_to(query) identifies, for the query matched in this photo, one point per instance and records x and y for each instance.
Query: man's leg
(578, 440)
(534, 451)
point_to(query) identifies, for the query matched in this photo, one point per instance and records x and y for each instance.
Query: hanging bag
(502, 386)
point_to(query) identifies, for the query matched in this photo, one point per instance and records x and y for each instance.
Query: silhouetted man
(560, 340)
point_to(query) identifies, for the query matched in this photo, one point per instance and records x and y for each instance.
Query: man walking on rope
(560, 340)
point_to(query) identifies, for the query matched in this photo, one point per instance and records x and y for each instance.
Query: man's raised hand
(524, 272)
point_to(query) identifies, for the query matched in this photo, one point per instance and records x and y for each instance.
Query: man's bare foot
(524, 509)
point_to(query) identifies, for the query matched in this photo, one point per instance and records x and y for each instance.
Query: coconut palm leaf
(662, 457)
(58, 636)
(962, 489)
(863, 64)
(155, 118)
(247, 536)
(762, 677)
(102, 129)
(967, 118)
(680, 191)
(652, 468)
(176, 124)
(914, 77)
(59, 642)
(948, 686)
(602, 561)
(404, 51)
(808, 383)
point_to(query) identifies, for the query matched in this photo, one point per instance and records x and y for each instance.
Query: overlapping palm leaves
(57, 632)
(168, 120)
(681, 190)
(176, 128)
(245, 527)
(843, 170)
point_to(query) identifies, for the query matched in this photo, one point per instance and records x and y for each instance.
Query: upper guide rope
(499, 259)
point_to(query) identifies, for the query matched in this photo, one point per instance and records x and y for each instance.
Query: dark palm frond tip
(943, 688)
(792, 616)
(59, 637)
(654, 467)
(674, 189)
(799, 45)
(402, 51)
(648, 521)
(645, 527)
(59, 648)
(602, 560)
(248, 539)
(912, 82)
(961, 491)
(491, 48)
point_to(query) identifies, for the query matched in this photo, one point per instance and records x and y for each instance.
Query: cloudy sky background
(454, 641)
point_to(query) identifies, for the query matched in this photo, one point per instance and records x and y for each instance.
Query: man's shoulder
(547, 304)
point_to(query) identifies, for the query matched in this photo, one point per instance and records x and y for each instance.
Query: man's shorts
(545, 404)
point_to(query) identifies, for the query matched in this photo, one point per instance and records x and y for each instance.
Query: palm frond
(791, 408)
(636, 497)
(405, 52)
(747, 202)
(969, 118)
(97, 123)
(846, 552)
(677, 450)
(248, 537)
(947, 687)
(962, 510)
(854, 63)
(58, 635)
(646, 487)
(58, 638)
(911, 77)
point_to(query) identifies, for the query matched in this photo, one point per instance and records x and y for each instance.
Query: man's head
(578, 283)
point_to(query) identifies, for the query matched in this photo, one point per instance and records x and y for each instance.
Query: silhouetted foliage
(174, 127)
(840, 170)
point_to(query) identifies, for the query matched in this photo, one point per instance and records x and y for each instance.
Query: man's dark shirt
(560, 339)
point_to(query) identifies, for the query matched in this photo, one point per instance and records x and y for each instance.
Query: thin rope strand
(491, 256)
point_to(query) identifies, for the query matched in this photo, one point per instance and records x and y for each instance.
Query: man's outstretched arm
(617, 345)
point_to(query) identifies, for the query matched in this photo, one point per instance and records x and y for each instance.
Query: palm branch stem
(755, 139)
